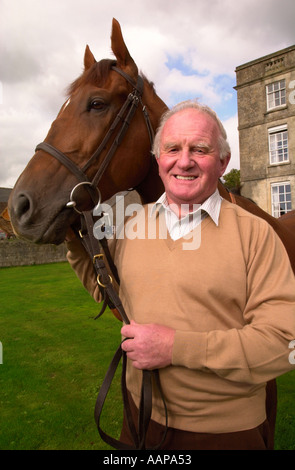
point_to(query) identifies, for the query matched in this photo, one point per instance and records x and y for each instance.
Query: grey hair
(224, 147)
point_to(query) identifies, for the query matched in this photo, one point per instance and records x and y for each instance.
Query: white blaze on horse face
(65, 105)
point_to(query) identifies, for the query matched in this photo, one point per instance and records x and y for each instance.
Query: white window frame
(280, 198)
(278, 145)
(276, 94)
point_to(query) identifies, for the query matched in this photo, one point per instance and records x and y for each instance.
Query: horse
(37, 209)
(83, 140)
(288, 220)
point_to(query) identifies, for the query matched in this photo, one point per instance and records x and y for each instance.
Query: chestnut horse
(38, 203)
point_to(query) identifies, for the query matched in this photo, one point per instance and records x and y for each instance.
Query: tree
(232, 181)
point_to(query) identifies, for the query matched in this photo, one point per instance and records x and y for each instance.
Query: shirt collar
(211, 206)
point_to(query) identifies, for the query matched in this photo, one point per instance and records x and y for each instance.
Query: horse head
(37, 204)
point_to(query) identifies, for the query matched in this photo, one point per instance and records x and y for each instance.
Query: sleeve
(260, 350)
(83, 267)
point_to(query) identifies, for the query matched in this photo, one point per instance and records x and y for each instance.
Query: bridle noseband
(123, 119)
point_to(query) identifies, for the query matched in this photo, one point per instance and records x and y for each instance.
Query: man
(216, 320)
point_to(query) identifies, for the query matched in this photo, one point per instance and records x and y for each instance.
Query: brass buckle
(99, 256)
(100, 283)
(81, 233)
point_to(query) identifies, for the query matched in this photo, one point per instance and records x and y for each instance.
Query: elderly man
(216, 320)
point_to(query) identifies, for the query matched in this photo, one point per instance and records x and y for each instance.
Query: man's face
(189, 162)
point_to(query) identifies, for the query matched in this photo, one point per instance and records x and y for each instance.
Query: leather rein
(97, 250)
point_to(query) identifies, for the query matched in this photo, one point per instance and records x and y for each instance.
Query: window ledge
(277, 108)
(271, 165)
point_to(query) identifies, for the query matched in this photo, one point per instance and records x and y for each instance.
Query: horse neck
(151, 188)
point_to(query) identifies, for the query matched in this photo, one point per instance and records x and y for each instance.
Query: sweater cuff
(190, 349)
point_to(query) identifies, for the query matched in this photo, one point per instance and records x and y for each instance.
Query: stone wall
(20, 253)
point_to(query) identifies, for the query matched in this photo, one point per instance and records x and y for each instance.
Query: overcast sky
(188, 48)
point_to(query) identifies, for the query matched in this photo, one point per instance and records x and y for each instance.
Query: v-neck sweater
(232, 304)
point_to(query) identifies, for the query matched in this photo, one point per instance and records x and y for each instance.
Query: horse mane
(150, 84)
(98, 74)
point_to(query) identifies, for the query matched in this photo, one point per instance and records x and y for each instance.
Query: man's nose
(185, 160)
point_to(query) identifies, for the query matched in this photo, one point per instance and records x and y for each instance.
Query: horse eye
(96, 104)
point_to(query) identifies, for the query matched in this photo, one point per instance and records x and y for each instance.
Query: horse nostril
(22, 206)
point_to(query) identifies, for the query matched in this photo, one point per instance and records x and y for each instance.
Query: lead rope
(111, 298)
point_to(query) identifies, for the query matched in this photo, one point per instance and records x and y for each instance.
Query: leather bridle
(123, 119)
(97, 250)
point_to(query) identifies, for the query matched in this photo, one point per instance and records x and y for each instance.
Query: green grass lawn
(55, 357)
(285, 428)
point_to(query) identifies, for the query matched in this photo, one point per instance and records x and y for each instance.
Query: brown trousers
(258, 438)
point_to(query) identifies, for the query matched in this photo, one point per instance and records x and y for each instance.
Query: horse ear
(124, 59)
(89, 59)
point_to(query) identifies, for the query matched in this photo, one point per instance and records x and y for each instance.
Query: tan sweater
(232, 304)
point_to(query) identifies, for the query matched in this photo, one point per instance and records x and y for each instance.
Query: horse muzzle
(38, 223)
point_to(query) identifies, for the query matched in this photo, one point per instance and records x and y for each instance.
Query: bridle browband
(124, 118)
(97, 249)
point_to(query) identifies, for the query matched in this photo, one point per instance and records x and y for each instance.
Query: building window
(281, 198)
(276, 94)
(278, 145)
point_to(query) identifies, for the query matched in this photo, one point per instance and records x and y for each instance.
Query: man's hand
(148, 346)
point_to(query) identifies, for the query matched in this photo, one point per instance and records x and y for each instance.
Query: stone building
(266, 115)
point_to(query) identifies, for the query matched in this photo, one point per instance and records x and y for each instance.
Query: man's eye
(199, 150)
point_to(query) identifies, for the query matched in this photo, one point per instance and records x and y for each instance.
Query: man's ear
(224, 163)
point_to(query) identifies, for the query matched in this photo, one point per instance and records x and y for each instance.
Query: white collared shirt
(178, 228)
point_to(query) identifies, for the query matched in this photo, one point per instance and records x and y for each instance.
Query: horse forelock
(97, 75)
